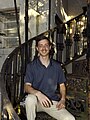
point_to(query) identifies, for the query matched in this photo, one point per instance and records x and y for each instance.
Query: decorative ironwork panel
(80, 67)
(77, 96)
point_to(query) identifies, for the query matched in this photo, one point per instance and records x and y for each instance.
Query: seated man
(43, 75)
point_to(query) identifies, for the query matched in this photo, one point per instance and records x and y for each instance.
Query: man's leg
(62, 114)
(31, 104)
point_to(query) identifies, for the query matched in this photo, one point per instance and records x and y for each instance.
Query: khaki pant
(32, 106)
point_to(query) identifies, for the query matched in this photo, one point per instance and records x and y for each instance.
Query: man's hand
(60, 104)
(43, 99)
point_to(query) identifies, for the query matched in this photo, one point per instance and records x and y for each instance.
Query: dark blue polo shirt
(44, 78)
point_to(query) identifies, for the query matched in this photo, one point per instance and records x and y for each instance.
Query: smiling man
(43, 76)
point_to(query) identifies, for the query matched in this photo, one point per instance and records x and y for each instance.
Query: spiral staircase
(76, 48)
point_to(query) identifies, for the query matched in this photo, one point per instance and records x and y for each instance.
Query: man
(43, 75)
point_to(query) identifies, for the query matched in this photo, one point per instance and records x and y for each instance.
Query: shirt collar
(39, 62)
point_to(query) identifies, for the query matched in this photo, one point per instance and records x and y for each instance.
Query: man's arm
(63, 91)
(29, 89)
(41, 97)
(61, 103)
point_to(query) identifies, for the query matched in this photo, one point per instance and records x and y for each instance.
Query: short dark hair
(39, 38)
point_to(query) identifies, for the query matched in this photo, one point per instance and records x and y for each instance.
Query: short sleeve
(61, 76)
(29, 74)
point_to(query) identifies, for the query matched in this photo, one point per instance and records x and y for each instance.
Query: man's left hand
(60, 104)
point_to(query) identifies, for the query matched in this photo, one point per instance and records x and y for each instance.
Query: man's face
(43, 47)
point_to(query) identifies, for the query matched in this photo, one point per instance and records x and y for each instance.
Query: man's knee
(31, 100)
(70, 118)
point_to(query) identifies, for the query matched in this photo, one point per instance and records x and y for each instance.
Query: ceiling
(74, 7)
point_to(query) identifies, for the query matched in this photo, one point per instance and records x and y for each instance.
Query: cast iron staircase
(13, 69)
